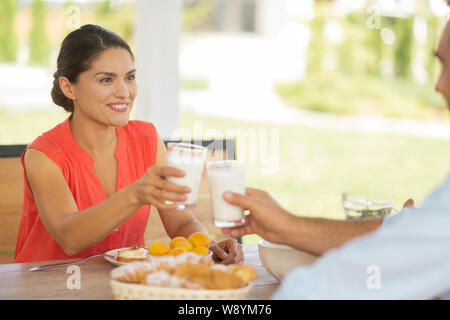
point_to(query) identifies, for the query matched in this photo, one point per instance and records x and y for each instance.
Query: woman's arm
(76, 230)
(73, 230)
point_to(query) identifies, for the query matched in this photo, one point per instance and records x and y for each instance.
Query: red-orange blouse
(135, 153)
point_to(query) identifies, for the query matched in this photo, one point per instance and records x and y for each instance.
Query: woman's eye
(131, 77)
(105, 80)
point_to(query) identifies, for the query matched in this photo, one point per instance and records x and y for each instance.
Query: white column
(157, 31)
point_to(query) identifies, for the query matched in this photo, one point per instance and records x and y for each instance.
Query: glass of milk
(226, 175)
(189, 158)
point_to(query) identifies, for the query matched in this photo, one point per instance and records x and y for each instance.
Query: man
(408, 257)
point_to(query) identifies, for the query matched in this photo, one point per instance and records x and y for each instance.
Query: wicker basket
(130, 291)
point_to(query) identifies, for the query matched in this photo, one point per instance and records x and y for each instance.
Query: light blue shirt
(408, 257)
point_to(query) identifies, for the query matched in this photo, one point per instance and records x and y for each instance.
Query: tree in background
(197, 14)
(8, 41)
(404, 31)
(117, 18)
(434, 29)
(39, 43)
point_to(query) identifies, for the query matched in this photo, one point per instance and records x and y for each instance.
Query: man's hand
(266, 218)
(228, 251)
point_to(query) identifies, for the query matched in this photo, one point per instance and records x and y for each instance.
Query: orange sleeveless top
(135, 153)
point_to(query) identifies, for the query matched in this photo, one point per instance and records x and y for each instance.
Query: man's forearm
(318, 235)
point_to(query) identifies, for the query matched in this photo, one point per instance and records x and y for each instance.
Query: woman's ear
(67, 88)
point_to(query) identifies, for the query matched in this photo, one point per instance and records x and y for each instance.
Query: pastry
(135, 253)
(134, 272)
(246, 273)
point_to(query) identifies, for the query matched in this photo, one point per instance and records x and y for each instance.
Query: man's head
(443, 54)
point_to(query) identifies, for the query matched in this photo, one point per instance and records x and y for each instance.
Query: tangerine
(177, 250)
(199, 239)
(158, 248)
(200, 250)
(185, 244)
(175, 241)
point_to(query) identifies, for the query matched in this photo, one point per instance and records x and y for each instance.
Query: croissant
(246, 273)
(134, 272)
(207, 277)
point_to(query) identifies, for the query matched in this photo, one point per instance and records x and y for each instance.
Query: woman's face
(105, 93)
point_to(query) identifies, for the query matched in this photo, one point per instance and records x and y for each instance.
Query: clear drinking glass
(226, 175)
(359, 207)
(189, 158)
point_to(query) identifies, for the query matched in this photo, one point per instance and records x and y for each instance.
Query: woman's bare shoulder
(37, 161)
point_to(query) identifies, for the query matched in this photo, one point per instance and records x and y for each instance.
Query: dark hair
(78, 50)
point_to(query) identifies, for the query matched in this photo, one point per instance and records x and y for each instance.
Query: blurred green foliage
(39, 42)
(434, 28)
(345, 76)
(363, 95)
(194, 83)
(404, 33)
(197, 14)
(119, 19)
(8, 40)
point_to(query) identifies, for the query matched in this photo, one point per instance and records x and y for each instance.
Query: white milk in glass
(221, 180)
(193, 167)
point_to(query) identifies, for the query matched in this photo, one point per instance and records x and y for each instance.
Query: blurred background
(337, 94)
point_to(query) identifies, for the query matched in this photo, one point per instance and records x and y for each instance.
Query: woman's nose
(121, 89)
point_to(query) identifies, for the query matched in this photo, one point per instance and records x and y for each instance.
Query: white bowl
(279, 259)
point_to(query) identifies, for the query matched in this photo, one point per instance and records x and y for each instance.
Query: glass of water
(360, 207)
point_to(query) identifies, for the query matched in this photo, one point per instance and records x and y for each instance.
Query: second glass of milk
(189, 158)
(226, 175)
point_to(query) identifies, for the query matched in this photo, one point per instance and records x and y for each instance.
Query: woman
(90, 181)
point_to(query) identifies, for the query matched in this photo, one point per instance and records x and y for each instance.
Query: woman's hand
(154, 189)
(228, 251)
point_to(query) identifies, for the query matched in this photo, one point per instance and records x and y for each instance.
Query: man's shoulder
(439, 198)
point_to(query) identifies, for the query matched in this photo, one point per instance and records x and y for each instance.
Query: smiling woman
(90, 180)
(78, 50)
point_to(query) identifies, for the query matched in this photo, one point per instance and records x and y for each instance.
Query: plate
(114, 254)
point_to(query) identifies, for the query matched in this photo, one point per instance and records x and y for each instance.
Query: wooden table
(17, 282)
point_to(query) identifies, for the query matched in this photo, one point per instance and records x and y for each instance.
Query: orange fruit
(177, 250)
(175, 241)
(158, 248)
(199, 239)
(185, 244)
(200, 250)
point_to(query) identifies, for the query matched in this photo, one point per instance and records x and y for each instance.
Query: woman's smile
(118, 106)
